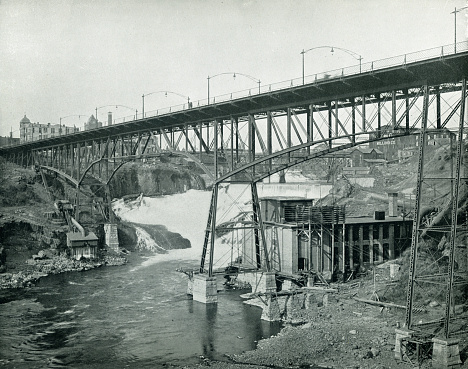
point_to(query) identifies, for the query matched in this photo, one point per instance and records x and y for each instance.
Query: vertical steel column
(269, 140)
(288, 128)
(213, 229)
(364, 128)
(258, 226)
(232, 143)
(394, 109)
(353, 120)
(330, 132)
(310, 126)
(336, 119)
(215, 148)
(379, 115)
(251, 138)
(78, 160)
(221, 134)
(407, 114)
(210, 230)
(200, 139)
(455, 200)
(417, 209)
(208, 136)
(439, 118)
(236, 124)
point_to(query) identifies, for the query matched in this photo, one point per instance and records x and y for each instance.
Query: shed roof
(77, 236)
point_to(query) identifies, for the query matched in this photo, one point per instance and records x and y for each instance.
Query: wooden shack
(82, 245)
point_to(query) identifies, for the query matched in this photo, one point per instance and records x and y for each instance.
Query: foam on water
(186, 214)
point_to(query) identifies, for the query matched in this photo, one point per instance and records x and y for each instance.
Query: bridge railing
(400, 60)
(394, 61)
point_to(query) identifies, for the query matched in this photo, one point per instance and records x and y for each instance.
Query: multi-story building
(392, 146)
(30, 131)
(92, 123)
(9, 141)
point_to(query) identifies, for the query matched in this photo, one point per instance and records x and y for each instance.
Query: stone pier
(445, 353)
(400, 335)
(271, 311)
(112, 237)
(204, 289)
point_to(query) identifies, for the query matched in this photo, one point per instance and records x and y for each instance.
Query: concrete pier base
(204, 289)
(266, 282)
(271, 312)
(400, 335)
(259, 281)
(445, 353)
(112, 237)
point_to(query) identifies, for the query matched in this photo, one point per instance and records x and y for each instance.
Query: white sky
(60, 58)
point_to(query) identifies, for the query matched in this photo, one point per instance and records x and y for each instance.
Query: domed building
(26, 129)
(30, 131)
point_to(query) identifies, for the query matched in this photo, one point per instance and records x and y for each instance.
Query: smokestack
(109, 118)
(392, 204)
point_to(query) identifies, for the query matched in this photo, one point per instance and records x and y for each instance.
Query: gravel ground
(345, 333)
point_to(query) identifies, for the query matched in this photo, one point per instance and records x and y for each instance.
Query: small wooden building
(82, 246)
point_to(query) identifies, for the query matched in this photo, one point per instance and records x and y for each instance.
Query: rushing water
(137, 315)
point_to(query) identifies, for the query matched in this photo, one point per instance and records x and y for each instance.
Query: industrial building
(302, 238)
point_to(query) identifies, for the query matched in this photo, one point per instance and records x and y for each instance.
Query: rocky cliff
(154, 179)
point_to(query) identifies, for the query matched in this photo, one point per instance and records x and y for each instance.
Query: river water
(137, 315)
(130, 316)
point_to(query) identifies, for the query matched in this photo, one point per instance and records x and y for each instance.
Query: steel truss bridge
(248, 138)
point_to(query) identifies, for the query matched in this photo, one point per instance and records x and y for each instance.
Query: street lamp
(455, 19)
(116, 106)
(234, 76)
(165, 94)
(332, 49)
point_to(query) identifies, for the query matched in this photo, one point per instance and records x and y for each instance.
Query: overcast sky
(61, 58)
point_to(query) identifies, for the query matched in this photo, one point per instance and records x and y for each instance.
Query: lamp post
(332, 49)
(116, 106)
(234, 74)
(455, 23)
(165, 94)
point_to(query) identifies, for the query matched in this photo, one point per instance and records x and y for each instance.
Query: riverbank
(338, 332)
(34, 269)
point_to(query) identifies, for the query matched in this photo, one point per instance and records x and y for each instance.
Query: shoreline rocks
(46, 262)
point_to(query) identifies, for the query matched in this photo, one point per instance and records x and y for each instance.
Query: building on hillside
(391, 146)
(9, 141)
(365, 157)
(92, 123)
(30, 131)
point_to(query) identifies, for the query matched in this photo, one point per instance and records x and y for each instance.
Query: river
(137, 315)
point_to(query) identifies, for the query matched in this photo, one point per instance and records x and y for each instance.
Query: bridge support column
(400, 335)
(266, 282)
(205, 289)
(445, 353)
(112, 237)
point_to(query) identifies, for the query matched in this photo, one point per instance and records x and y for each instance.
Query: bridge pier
(112, 237)
(205, 289)
(445, 353)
